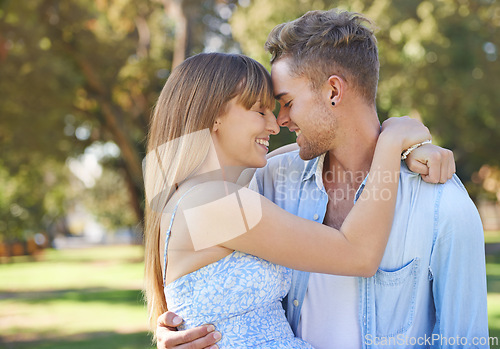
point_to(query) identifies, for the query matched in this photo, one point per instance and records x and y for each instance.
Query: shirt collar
(314, 167)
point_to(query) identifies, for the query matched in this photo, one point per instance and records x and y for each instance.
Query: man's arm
(202, 337)
(458, 271)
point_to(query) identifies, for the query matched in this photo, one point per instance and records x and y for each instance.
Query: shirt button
(296, 303)
(316, 216)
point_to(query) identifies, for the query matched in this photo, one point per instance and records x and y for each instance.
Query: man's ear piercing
(333, 103)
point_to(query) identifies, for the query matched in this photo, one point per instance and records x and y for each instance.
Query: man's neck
(348, 161)
(352, 156)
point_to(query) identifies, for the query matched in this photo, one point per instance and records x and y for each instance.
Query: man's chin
(308, 154)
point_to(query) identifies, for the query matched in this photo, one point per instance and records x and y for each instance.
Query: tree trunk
(174, 9)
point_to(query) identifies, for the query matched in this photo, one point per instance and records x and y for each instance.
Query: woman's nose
(272, 125)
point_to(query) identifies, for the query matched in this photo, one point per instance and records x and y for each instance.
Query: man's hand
(167, 336)
(435, 164)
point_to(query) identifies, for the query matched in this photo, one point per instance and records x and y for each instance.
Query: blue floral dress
(240, 295)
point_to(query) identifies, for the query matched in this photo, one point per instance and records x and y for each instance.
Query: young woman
(229, 249)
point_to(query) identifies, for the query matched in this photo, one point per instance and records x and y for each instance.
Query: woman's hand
(433, 163)
(405, 131)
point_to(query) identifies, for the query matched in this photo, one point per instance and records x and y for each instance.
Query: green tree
(34, 197)
(447, 64)
(78, 72)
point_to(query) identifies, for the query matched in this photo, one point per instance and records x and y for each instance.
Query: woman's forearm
(368, 225)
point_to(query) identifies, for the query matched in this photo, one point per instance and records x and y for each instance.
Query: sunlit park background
(78, 80)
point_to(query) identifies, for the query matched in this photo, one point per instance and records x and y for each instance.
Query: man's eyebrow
(278, 96)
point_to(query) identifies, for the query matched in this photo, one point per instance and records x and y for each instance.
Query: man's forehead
(280, 67)
(281, 79)
(286, 84)
(280, 89)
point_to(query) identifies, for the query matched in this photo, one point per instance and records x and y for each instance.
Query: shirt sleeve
(458, 272)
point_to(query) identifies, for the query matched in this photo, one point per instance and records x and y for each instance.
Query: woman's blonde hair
(195, 94)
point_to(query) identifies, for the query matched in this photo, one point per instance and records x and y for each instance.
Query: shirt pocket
(395, 294)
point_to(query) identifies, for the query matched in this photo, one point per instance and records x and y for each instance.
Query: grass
(103, 340)
(492, 236)
(86, 298)
(493, 280)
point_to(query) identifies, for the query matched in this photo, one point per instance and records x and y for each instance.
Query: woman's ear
(216, 125)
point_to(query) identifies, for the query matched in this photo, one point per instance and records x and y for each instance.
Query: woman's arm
(245, 221)
(283, 149)
(355, 249)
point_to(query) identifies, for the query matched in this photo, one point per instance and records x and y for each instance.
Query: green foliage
(111, 207)
(29, 197)
(445, 71)
(75, 72)
(78, 72)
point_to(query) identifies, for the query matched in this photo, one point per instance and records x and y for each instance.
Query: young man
(430, 289)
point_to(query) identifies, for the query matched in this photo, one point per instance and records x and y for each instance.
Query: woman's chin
(260, 163)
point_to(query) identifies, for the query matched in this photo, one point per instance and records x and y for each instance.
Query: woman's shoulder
(217, 211)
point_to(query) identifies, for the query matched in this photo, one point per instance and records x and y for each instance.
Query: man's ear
(335, 86)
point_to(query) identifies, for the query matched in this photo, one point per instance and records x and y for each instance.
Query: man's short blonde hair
(324, 43)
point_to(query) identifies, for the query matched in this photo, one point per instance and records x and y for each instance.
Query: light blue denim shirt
(430, 288)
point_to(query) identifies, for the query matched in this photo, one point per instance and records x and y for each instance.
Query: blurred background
(78, 81)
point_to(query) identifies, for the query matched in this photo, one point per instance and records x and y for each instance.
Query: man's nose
(283, 118)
